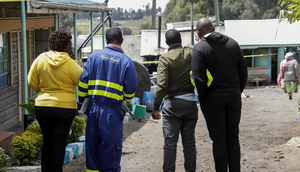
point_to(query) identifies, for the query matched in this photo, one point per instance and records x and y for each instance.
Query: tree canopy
(179, 10)
(291, 10)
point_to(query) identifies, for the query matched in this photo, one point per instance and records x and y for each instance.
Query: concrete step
(5, 141)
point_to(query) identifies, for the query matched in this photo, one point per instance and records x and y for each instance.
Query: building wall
(9, 111)
(11, 115)
(261, 61)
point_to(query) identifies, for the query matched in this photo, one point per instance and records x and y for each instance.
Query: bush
(77, 129)
(26, 147)
(3, 160)
(35, 128)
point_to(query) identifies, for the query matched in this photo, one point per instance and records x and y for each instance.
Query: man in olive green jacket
(179, 111)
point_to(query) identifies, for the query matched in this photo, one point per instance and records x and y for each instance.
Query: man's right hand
(155, 115)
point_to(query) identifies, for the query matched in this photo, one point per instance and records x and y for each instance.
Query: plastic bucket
(140, 111)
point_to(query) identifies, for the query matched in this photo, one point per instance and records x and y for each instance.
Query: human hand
(155, 115)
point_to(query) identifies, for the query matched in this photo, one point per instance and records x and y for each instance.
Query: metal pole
(91, 30)
(98, 27)
(103, 25)
(75, 36)
(159, 30)
(75, 46)
(217, 13)
(192, 23)
(153, 13)
(24, 51)
(56, 21)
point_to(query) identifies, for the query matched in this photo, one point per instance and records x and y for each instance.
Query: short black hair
(173, 37)
(59, 40)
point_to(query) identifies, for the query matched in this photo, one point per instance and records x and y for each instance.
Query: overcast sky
(134, 4)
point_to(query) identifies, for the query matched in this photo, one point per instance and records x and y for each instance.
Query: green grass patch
(134, 25)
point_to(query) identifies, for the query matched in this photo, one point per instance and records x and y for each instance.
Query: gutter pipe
(69, 6)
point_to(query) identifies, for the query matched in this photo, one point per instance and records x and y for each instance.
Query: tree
(144, 26)
(126, 30)
(179, 10)
(148, 10)
(139, 14)
(126, 14)
(158, 10)
(66, 21)
(292, 11)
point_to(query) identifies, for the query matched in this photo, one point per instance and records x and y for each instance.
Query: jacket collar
(115, 47)
(175, 46)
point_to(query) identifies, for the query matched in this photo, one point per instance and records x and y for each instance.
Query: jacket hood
(55, 59)
(216, 38)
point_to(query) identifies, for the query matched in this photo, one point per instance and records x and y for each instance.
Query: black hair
(59, 40)
(173, 37)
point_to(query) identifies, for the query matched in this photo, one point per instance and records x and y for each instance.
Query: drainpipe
(24, 50)
(91, 30)
(159, 29)
(103, 25)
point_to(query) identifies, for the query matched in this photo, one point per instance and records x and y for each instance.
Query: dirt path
(269, 121)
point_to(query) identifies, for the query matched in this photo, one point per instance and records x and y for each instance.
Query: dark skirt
(291, 86)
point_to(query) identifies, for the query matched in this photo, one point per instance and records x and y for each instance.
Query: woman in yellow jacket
(54, 75)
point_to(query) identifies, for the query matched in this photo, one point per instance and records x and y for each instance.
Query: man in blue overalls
(109, 77)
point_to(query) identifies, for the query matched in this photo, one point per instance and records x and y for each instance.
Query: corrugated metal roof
(76, 2)
(66, 6)
(263, 32)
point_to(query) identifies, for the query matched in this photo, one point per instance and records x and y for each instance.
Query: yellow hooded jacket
(54, 75)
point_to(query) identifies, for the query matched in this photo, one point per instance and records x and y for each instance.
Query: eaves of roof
(66, 6)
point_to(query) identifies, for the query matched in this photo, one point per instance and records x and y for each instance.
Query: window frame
(5, 67)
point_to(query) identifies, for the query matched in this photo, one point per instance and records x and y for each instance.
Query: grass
(134, 25)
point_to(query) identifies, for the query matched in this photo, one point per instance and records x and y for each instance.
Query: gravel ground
(269, 137)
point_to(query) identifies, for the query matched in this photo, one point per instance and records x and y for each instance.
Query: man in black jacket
(220, 73)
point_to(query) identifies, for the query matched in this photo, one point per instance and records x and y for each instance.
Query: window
(3, 61)
(248, 53)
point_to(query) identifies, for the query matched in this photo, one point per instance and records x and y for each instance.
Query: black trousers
(55, 124)
(222, 115)
(179, 116)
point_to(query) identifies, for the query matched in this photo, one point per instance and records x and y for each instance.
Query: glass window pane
(1, 40)
(5, 40)
(1, 67)
(5, 67)
(5, 53)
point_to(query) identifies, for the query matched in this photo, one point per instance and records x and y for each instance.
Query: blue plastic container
(148, 100)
